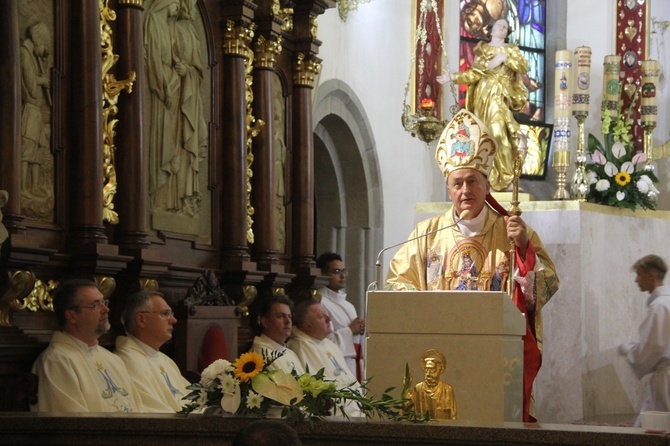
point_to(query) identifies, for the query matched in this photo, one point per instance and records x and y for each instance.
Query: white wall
(370, 52)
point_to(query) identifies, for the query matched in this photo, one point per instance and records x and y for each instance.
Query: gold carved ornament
(305, 70)
(19, 285)
(284, 14)
(111, 88)
(236, 41)
(250, 293)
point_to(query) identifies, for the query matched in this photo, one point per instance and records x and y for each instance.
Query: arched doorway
(348, 195)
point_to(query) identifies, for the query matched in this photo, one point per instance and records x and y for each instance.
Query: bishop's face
(467, 190)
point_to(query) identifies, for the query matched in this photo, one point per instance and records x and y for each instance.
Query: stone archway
(348, 196)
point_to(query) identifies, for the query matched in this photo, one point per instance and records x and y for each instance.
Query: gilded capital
(266, 51)
(284, 14)
(305, 70)
(237, 38)
(131, 2)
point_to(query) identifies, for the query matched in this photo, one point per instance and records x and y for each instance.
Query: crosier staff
(514, 210)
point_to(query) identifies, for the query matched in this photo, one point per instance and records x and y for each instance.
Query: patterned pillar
(132, 182)
(631, 45)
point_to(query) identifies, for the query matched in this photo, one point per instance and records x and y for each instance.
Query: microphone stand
(377, 284)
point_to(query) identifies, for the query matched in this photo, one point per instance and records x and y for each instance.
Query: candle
(611, 85)
(649, 100)
(562, 100)
(582, 82)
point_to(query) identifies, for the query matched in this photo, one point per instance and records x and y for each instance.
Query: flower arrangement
(618, 175)
(246, 387)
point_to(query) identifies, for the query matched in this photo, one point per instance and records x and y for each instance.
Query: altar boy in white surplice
(149, 321)
(74, 373)
(651, 354)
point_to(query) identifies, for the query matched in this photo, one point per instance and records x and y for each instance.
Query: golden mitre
(466, 143)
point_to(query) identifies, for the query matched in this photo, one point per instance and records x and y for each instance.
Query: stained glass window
(527, 24)
(527, 19)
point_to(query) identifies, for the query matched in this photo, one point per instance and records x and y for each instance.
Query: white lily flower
(230, 401)
(598, 157)
(639, 158)
(611, 169)
(628, 167)
(618, 149)
(646, 179)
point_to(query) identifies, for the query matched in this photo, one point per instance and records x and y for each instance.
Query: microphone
(464, 216)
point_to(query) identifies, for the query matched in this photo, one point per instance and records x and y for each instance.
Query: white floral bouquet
(247, 388)
(618, 174)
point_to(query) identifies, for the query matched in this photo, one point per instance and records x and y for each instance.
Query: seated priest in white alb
(149, 322)
(472, 253)
(74, 373)
(310, 342)
(275, 321)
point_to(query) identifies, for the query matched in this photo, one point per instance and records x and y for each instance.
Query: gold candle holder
(649, 145)
(580, 185)
(560, 166)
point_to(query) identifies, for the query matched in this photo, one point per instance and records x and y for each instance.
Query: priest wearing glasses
(149, 322)
(74, 373)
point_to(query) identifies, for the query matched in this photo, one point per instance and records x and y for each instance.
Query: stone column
(131, 195)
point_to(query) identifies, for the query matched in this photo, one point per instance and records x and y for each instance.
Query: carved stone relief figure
(177, 75)
(37, 195)
(279, 136)
(164, 84)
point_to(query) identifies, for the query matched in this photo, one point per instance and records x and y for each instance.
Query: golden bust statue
(432, 395)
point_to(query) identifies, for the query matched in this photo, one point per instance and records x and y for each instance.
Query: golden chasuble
(449, 260)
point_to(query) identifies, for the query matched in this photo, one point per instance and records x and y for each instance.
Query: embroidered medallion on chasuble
(466, 143)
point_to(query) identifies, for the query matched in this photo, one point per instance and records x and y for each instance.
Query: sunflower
(622, 178)
(248, 365)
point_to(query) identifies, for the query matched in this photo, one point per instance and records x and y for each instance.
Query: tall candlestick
(582, 82)
(649, 107)
(580, 110)
(611, 85)
(649, 100)
(562, 105)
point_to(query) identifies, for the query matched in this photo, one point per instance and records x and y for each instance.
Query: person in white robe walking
(651, 354)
